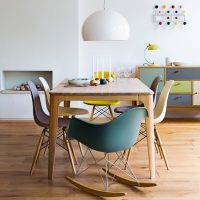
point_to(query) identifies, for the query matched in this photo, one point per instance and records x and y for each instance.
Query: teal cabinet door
(147, 75)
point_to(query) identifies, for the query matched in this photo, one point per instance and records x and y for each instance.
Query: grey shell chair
(112, 137)
(154, 88)
(42, 120)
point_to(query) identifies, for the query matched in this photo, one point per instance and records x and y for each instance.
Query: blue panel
(182, 73)
(180, 99)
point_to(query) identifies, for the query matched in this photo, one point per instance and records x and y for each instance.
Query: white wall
(180, 44)
(37, 35)
(46, 34)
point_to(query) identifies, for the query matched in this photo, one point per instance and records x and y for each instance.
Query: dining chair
(42, 120)
(122, 109)
(63, 111)
(159, 115)
(101, 107)
(111, 137)
(153, 87)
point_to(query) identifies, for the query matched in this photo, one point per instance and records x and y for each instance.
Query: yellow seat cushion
(102, 103)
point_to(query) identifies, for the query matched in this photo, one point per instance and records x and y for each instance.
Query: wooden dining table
(128, 89)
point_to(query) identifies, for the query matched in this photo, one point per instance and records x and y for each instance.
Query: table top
(127, 86)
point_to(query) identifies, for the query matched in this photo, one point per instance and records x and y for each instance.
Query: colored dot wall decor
(169, 15)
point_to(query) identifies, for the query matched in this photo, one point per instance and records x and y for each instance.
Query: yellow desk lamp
(150, 47)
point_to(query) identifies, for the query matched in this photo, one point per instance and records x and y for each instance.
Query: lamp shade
(149, 47)
(105, 25)
(152, 47)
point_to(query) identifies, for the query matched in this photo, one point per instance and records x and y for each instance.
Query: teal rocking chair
(112, 137)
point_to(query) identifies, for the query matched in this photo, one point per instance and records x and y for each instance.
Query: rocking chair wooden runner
(111, 137)
(42, 120)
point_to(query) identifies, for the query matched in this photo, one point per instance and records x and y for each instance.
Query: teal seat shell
(117, 135)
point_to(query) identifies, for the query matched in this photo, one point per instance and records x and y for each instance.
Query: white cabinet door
(196, 92)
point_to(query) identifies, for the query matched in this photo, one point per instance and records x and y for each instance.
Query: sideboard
(185, 92)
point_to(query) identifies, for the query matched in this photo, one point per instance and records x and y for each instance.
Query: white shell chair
(63, 111)
(159, 114)
(161, 106)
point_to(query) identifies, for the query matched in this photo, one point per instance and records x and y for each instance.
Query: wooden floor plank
(181, 140)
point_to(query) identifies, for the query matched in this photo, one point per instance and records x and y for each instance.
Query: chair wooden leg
(92, 113)
(156, 146)
(37, 152)
(70, 156)
(128, 156)
(47, 146)
(73, 153)
(111, 113)
(157, 136)
(64, 143)
(81, 149)
(40, 147)
(124, 152)
(157, 142)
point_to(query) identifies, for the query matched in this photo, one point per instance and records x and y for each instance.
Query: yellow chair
(102, 107)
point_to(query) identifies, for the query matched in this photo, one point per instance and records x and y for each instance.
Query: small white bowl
(178, 63)
(79, 81)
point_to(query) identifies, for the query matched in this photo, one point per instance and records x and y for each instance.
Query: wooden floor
(182, 182)
(183, 113)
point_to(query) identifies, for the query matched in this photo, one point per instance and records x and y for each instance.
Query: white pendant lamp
(105, 25)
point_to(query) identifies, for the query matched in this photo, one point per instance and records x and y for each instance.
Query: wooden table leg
(54, 103)
(148, 103)
(66, 103)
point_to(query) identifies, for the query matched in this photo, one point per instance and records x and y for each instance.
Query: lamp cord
(104, 5)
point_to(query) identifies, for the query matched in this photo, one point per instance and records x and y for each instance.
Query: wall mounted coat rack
(172, 15)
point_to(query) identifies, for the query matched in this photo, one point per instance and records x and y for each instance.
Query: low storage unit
(185, 92)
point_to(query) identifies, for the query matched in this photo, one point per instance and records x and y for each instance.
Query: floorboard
(181, 140)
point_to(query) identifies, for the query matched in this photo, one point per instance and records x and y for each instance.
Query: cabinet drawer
(182, 87)
(196, 93)
(182, 99)
(147, 76)
(182, 73)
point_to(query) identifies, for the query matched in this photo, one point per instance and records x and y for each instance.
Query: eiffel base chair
(159, 114)
(109, 138)
(43, 144)
(153, 87)
(42, 120)
(122, 109)
(63, 111)
(102, 108)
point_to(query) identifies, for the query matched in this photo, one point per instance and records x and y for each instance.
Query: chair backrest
(39, 115)
(46, 91)
(116, 135)
(154, 87)
(161, 106)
